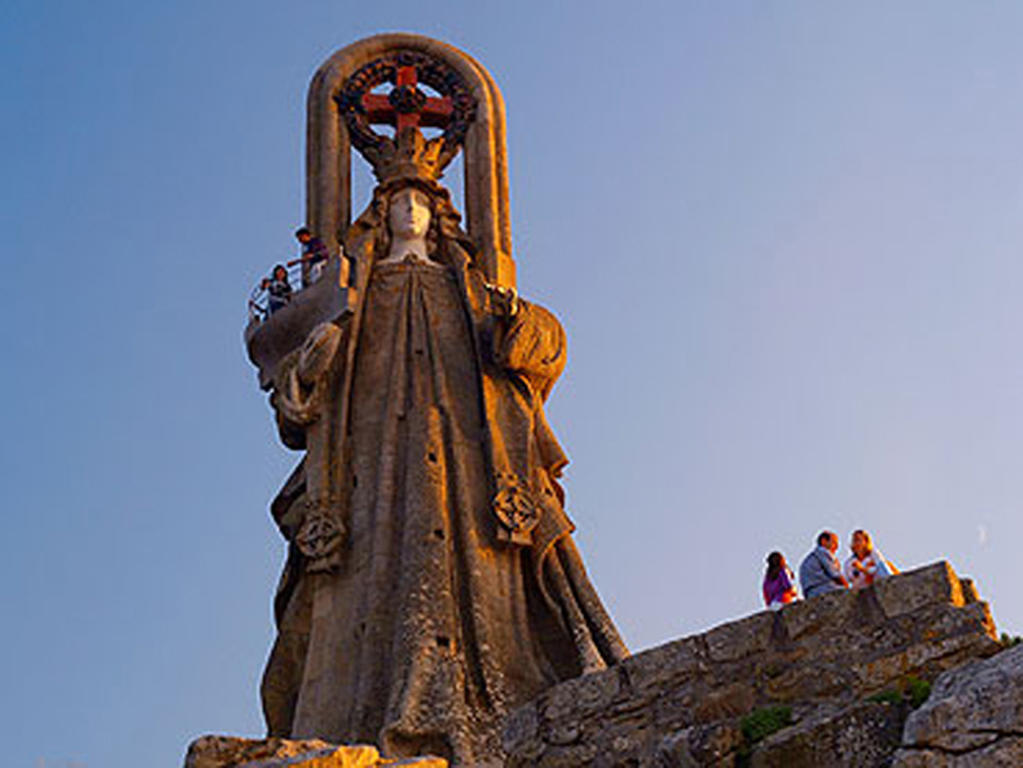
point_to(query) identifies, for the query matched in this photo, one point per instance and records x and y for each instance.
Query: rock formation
(974, 717)
(829, 670)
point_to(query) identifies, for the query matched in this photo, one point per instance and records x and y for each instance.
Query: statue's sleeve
(533, 345)
(302, 380)
(290, 428)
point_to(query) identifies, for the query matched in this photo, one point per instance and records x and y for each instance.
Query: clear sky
(784, 238)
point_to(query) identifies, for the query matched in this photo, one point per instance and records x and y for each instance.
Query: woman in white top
(866, 564)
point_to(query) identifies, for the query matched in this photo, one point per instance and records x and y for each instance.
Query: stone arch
(329, 151)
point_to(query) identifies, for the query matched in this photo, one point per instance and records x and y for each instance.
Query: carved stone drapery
(301, 400)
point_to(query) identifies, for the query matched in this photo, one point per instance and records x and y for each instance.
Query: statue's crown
(409, 156)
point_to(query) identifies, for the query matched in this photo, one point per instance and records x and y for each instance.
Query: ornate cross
(406, 105)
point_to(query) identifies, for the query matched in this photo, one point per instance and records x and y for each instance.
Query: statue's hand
(504, 302)
(318, 351)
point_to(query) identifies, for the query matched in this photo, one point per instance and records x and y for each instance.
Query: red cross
(434, 113)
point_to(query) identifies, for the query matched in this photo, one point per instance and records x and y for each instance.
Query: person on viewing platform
(279, 290)
(866, 564)
(314, 253)
(255, 310)
(820, 571)
(779, 583)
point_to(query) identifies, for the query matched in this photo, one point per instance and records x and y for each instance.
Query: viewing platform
(271, 334)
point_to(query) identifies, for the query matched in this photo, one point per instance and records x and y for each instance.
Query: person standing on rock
(820, 571)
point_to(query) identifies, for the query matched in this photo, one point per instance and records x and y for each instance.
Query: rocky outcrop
(862, 734)
(818, 662)
(229, 752)
(974, 717)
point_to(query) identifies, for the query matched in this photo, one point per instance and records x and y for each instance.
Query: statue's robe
(441, 627)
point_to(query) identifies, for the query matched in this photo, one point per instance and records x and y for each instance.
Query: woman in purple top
(779, 583)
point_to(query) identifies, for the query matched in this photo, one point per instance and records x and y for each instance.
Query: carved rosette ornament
(515, 509)
(319, 539)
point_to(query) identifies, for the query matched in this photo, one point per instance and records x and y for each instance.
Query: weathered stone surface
(682, 703)
(974, 717)
(698, 747)
(863, 735)
(970, 594)
(938, 583)
(230, 752)
(737, 639)
(680, 660)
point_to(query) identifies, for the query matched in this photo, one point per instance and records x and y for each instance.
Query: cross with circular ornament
(406, 104)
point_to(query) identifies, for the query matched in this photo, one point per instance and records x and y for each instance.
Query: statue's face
(409, 215)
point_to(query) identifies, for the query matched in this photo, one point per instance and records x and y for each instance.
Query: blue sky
(784, 239)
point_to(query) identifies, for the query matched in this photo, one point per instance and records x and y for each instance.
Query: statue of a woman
(432, 583)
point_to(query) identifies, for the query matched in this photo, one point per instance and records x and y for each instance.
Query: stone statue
(432, 583)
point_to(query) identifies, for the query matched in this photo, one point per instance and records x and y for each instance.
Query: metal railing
(300, 276)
